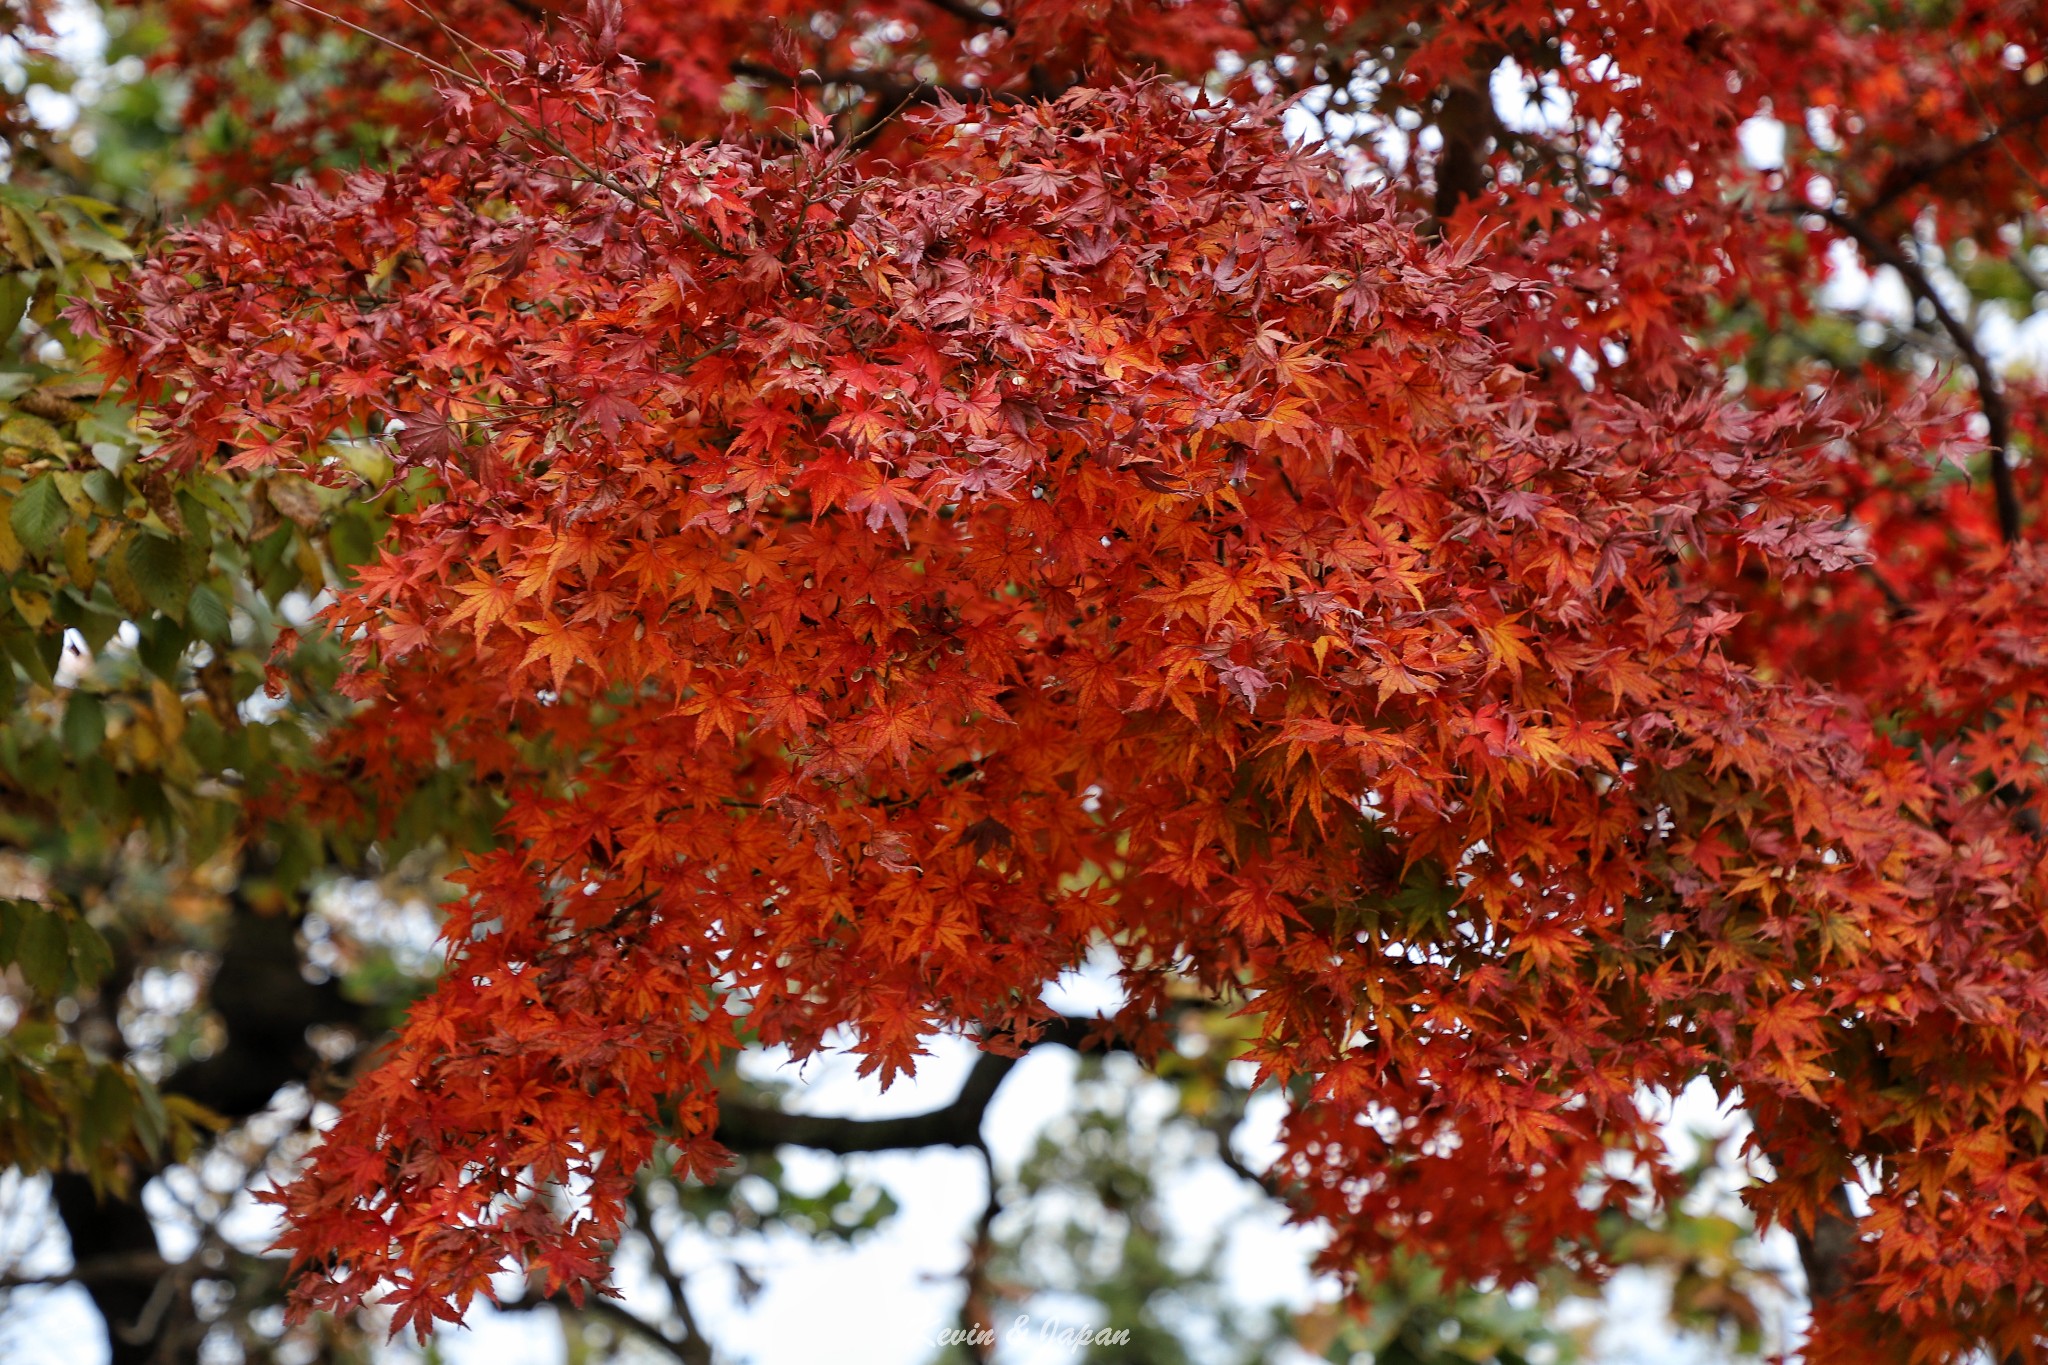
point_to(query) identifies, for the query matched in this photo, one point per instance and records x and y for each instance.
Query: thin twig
(611, 1312)
(976, 1312)
(391, 43)
(664, 1268)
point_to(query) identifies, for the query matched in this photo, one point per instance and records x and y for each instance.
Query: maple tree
(987, 501)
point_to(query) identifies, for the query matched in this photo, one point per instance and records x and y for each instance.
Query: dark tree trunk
(1824, 1253)
(116, 1230)
(265, 1006)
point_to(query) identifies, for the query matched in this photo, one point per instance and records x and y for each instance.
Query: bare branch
(99, 1270)
(759, 1128)
(686, 1352)
(1990, 394)
(976, 1306)
(696, 1346)
(1908, 176)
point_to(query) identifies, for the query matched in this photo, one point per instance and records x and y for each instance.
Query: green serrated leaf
(13, 916)
(14, 298)
(156, 565)
(162, 647)
(12, 553)
(77, 560)
(85, 237)
(198, 524)
(85, 725)
(71, 487)
(121, 583)
(31, 606)
(43, 952)
(207, 615)
(108, 1110)
(351, 541)
(22, 646)
(106, 490)
(152, 1120)
(32, 433)
(221, 498)
(39, 514)
(91, 956)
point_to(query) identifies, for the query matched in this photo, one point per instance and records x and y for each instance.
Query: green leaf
(121, 585)
(162, 647)
(39, 514)
(108, 1110)
(157, 566)
(20, 645)
(207, 615)
(222, 500)
(102, 244)
(13, 916)
(152, 1121)
(43, 952)
(71, 487)
(26, 649)
(91, 956)
(14, 298)
(32, 433)
(98, 619)
(85, 725)
(351, 540)
(106, 490)
(198, 542)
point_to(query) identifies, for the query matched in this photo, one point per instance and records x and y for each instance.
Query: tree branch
(1825, 1249)
(686, 1352)
(696, 1347)
(101, 1269)
(1909, 176)
(977, 1306)
(1990, 394)
(760, 1128)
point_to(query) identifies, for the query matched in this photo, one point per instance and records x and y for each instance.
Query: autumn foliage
(1021, 503)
